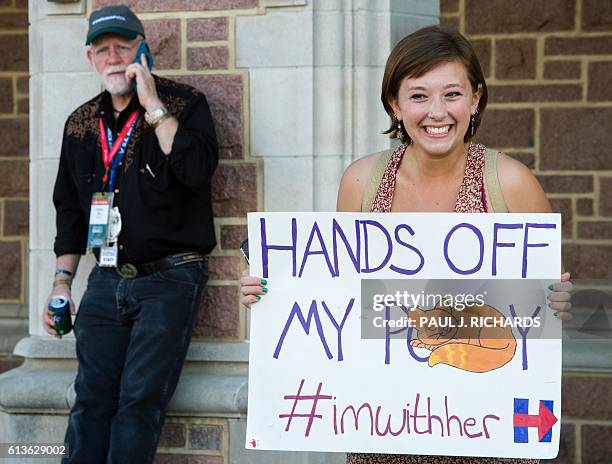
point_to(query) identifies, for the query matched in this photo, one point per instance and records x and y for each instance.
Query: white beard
(117, 84)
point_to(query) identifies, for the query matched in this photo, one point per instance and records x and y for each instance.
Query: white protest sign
(420, 333)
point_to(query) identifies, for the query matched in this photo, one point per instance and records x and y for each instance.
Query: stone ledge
(29, 388)
(210, 395)
(50, 348)
(46, 386)
(283, 3)
(49, 388)
(14, 310)
(34, 347)
(11, 331)
(587, 355)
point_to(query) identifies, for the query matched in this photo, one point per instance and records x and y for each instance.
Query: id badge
(114, 224)
(97, 234)
(108, 256)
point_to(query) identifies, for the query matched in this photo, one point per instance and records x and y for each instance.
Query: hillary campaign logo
(543, 421)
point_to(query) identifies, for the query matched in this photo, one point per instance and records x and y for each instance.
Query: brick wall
(549, 70)
(13, 163)
(193, 441)
(548, 66)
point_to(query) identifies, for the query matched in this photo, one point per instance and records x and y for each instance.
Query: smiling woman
(435, 95)
(436, 108)
(461, 83)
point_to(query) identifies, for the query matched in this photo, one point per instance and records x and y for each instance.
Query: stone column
(315, 90)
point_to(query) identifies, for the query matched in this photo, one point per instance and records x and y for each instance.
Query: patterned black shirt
(164, 201)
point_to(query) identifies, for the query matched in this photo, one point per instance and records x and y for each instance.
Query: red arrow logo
(543, 421)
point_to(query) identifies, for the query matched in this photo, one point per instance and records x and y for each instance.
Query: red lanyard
(108, 155)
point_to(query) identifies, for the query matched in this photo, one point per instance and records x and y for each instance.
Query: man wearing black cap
(133, 185)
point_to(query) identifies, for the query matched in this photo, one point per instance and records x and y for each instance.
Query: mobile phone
(244, 248)
(143, 49)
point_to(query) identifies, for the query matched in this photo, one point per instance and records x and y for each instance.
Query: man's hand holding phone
(157, 116)
(139, 72)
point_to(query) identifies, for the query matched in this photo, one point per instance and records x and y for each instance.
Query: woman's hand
(252, 288)
(560, 298)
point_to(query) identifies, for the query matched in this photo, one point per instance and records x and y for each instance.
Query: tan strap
(378, 171)
(493, 190)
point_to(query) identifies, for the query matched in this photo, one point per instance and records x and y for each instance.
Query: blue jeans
(132, 337)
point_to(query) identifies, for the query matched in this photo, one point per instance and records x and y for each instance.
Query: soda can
(59, 312)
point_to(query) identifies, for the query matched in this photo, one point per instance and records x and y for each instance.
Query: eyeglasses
(104, 52)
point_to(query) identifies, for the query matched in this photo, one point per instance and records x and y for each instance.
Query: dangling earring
(473, 124)
(401, 135)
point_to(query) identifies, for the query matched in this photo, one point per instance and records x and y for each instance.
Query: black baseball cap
(118, 19)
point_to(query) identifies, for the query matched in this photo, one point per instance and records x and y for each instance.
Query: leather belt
(130, 271)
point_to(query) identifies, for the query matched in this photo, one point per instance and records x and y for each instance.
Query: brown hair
(421, 51)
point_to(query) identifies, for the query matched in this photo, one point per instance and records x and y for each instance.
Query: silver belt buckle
(127, 271)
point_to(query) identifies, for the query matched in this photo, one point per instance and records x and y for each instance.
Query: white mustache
(114, 69)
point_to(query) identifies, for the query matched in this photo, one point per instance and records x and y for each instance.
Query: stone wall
(548, 66)
(14, 175)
